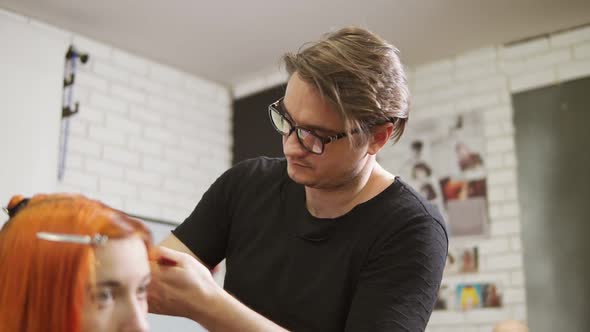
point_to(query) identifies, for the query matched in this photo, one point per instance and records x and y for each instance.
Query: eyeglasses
(310, 141)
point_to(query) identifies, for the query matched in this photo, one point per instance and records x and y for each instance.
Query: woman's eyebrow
(116, 283)
(108, 283)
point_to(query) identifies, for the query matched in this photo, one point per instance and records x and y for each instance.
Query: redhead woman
(71, 264)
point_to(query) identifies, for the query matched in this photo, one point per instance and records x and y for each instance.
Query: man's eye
(305, 133)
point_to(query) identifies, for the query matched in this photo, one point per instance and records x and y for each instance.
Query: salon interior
(169, 94)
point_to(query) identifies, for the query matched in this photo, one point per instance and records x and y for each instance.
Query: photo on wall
(478, 295)
(446, 164)
(445, 298)
(462, 260)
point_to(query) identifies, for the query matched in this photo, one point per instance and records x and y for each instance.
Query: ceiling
(233, 41)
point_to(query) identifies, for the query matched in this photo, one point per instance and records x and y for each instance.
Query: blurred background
(172, 93)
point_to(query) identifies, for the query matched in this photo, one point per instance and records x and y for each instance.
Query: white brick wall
(149, 139)
(582, 51)
(481, 81)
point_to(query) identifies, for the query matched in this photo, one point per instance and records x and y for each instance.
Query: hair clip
(11, 212)
(97, 239)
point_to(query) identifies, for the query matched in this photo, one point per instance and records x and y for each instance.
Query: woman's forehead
(122, 259)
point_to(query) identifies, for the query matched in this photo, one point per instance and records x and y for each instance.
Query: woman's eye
(103, 296)
(142, 291)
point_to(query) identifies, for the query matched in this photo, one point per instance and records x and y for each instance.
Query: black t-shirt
(376, 268)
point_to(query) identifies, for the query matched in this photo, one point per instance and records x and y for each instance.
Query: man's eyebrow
(310, 127)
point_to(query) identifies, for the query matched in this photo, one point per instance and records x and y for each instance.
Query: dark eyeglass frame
(276, 107)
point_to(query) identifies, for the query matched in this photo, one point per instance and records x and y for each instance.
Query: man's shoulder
(404, 205)
(253, 172)
(259, 166)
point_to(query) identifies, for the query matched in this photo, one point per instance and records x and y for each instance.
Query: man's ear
(379, 137)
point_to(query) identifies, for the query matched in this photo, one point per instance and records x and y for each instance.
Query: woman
(71, 264)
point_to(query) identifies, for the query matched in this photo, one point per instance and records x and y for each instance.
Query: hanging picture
(445, 298)
(477, 295)
(446, 164)
(462, 260)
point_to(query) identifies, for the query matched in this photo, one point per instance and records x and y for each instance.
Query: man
(324, 239)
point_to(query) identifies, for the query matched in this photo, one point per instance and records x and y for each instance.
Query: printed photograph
(445, 298)
(446, 165)
(478, 295)
(462, 260)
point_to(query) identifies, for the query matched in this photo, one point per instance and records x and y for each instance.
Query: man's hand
(181, 285)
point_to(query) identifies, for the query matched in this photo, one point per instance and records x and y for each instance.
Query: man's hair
(359, 74)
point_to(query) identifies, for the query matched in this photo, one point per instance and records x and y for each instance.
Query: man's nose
(291, 145)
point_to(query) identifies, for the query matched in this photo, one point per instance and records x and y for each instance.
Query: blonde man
(324, 239)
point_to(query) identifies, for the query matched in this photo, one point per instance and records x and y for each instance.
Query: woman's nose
(136, 317)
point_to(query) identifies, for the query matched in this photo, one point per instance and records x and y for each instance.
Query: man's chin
(295, 173)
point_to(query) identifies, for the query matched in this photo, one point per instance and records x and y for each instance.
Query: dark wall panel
(252, 131)
(552, 139)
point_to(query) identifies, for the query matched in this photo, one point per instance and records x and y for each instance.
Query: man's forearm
(226, 313)
(185, 288)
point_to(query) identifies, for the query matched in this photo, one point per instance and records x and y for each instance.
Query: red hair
(43, 283)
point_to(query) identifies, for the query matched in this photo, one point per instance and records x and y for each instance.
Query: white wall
(148, 139)
(31, 64)
(482, 81)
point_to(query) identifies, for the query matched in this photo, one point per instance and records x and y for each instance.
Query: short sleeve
(205, 231)
(398, 285)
